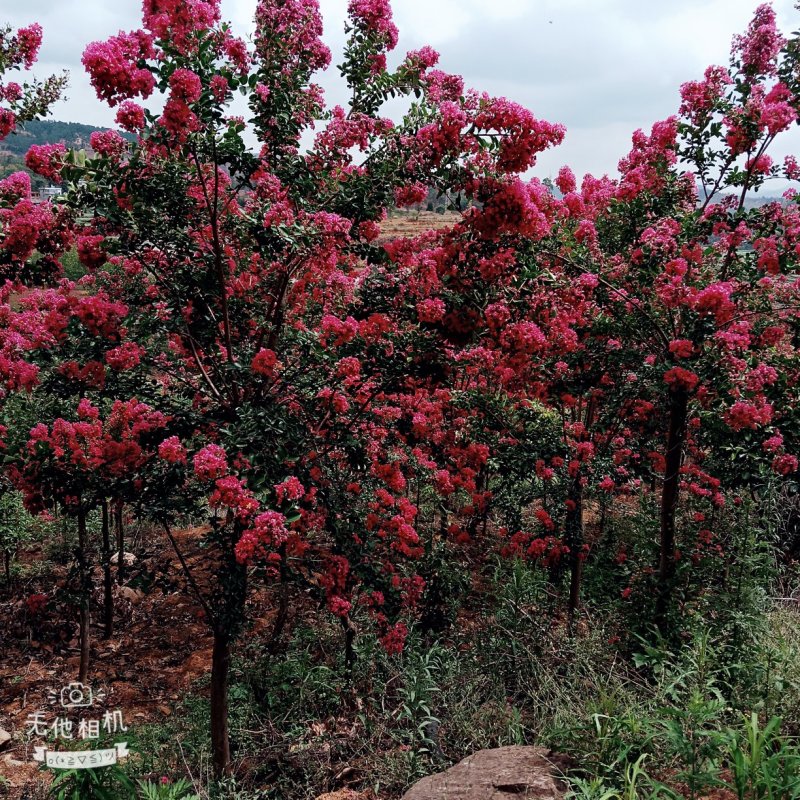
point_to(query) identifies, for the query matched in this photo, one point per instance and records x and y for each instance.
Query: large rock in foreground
(508, 773)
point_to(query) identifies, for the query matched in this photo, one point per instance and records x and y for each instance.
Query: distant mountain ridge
(75, 135)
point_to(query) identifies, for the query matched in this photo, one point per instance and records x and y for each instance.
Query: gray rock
(507, 773)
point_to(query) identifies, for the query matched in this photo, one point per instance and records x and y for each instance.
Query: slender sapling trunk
(676, 441)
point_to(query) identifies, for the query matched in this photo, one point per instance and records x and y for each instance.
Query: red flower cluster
(113, 67)
(210, 463)
(46, 160)
(376, 17)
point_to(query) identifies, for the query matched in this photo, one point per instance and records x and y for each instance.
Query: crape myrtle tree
(693, 299)
(32, 237)
(71, 350)
(303, 368)
(71, 466)
(246, 350)
(33, 98)
(656, 314)
(24, 227)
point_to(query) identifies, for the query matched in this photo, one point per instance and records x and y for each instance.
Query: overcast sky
(601, 67)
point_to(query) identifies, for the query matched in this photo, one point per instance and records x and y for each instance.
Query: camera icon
(76, 695)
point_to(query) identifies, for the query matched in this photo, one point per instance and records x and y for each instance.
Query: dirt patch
(406, 225)
(160, 648)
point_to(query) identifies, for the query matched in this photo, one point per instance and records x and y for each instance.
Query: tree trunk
(120, 542)
(486, 508)
(7, 564)
(574, 535)
(226, 619)
(283, 607)
(108, 597)
(85, 594)
(443, 520)
(477, 517)
(220, 673)
(676, 440)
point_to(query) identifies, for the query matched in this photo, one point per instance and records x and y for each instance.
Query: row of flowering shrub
(245, 348)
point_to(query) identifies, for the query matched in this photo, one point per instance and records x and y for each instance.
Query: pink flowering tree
(31, 238)
(64, 345)
(30, 100)
(301, 364)
(24, 227)
(693, 294)
(302, 384)
(69, 467)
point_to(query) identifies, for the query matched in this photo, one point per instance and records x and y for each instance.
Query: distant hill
(74, 135)
(758, 200)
